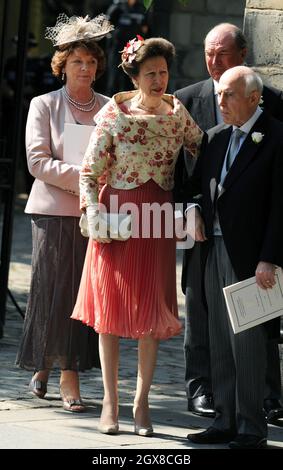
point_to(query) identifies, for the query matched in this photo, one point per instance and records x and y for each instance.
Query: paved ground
(27, 422)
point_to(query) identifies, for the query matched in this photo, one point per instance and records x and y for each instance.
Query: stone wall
(263, 26)
(189, 25)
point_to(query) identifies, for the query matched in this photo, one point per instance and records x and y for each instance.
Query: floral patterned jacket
(128, 150)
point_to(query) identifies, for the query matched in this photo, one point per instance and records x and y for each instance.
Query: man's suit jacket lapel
(205, 107)
(247, 152)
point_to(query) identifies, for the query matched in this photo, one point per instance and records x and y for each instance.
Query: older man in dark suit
(225, 47)
(240, 176)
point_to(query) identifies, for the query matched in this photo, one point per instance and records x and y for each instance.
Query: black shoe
(211, 436)
(202, 406)
(248, 441)
(273, 410)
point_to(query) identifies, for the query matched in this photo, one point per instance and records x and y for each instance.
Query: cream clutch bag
(114, 226)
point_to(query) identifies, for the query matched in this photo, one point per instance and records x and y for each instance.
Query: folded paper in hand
(76, 138)
(114, 226)
(248, 305)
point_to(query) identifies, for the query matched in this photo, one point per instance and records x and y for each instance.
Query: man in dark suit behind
(225, 47)
(241, 217)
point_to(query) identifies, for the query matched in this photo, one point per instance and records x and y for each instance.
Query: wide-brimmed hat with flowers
(77, 28)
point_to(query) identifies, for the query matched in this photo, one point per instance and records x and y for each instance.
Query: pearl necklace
(85, 107)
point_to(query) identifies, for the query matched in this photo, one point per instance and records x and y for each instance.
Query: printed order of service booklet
(248, 305)
(76, 139)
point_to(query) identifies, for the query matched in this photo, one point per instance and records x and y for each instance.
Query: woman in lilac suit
(50, 337)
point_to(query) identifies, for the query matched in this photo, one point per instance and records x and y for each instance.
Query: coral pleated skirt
(128, 288)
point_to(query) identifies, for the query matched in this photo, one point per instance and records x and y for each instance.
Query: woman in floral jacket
(128, 288)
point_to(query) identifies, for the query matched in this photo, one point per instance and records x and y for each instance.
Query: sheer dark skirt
(50, 337)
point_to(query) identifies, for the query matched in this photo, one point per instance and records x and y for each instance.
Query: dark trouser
(196, 342)
(273, 375)
(238, 361)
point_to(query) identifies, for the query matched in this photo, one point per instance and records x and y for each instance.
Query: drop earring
(63, 76)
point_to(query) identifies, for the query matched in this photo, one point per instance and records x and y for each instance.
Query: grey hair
(235, 32)
(253, 83)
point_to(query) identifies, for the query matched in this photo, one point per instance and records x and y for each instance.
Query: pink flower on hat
(130, 50)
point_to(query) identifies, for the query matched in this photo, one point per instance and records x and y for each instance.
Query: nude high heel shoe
(112, 428)
(145, 431)
(108, 428)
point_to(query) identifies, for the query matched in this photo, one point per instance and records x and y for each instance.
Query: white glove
(84, 225)
(97, 229)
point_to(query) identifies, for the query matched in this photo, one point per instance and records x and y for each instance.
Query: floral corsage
(257, 137)
(130, 50)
